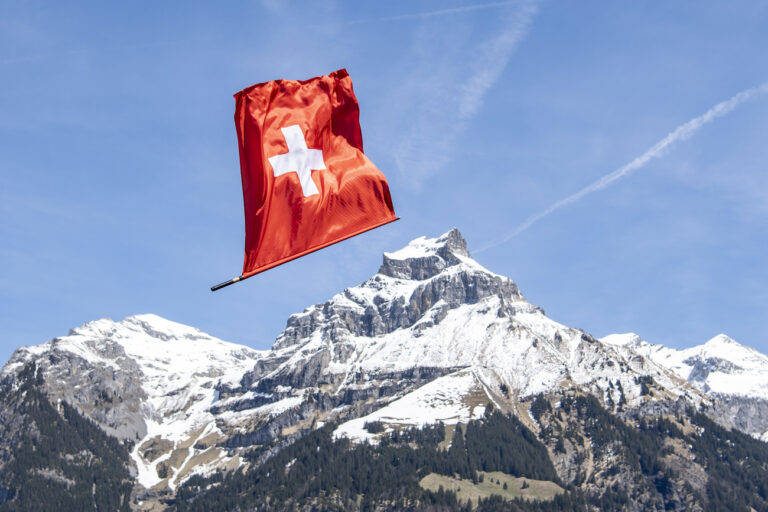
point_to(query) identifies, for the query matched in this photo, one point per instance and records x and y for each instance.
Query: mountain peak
(162, 328)
(418, 284)
(725, 348)
(629, 339)
(721, 340)
(150, 324)
(422, 247)
(426, 257)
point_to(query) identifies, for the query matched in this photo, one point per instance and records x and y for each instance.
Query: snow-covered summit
(429, 276)
(721, 365)
(725, 343)
(423, 246)
(159, 345)
(426, 257)
(629, 339)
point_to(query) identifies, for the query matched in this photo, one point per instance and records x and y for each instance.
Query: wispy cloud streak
(493, 59)
(682, 132)
(439, 12)
(448, 87)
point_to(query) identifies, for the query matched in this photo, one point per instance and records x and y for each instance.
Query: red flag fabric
(306, 182)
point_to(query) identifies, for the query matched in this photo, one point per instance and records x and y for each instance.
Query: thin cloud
(682, 132)
(101, 50)
(449, 85)
(492, 61)
(439, 12)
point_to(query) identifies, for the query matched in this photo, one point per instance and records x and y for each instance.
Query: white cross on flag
(298, 159)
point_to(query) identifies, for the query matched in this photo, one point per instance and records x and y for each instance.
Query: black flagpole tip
(226, 283)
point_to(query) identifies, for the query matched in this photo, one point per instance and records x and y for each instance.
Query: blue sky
(119, 179)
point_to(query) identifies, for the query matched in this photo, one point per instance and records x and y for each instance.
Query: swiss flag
(306, 182)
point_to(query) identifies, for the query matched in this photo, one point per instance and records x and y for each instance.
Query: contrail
(440, 12)
(682, 132)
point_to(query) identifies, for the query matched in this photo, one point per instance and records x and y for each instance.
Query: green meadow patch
(493, 483)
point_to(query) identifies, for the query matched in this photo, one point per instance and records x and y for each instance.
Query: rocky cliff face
(433, 336)
(410, 283)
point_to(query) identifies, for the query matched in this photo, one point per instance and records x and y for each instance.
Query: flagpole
(298, 255)
(226, 283)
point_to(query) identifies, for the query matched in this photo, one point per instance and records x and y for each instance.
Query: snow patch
(442, 400)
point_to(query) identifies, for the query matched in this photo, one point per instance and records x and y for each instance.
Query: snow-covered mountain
(433, 336)
(147, 380)
(736, 375)
(432, 307)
